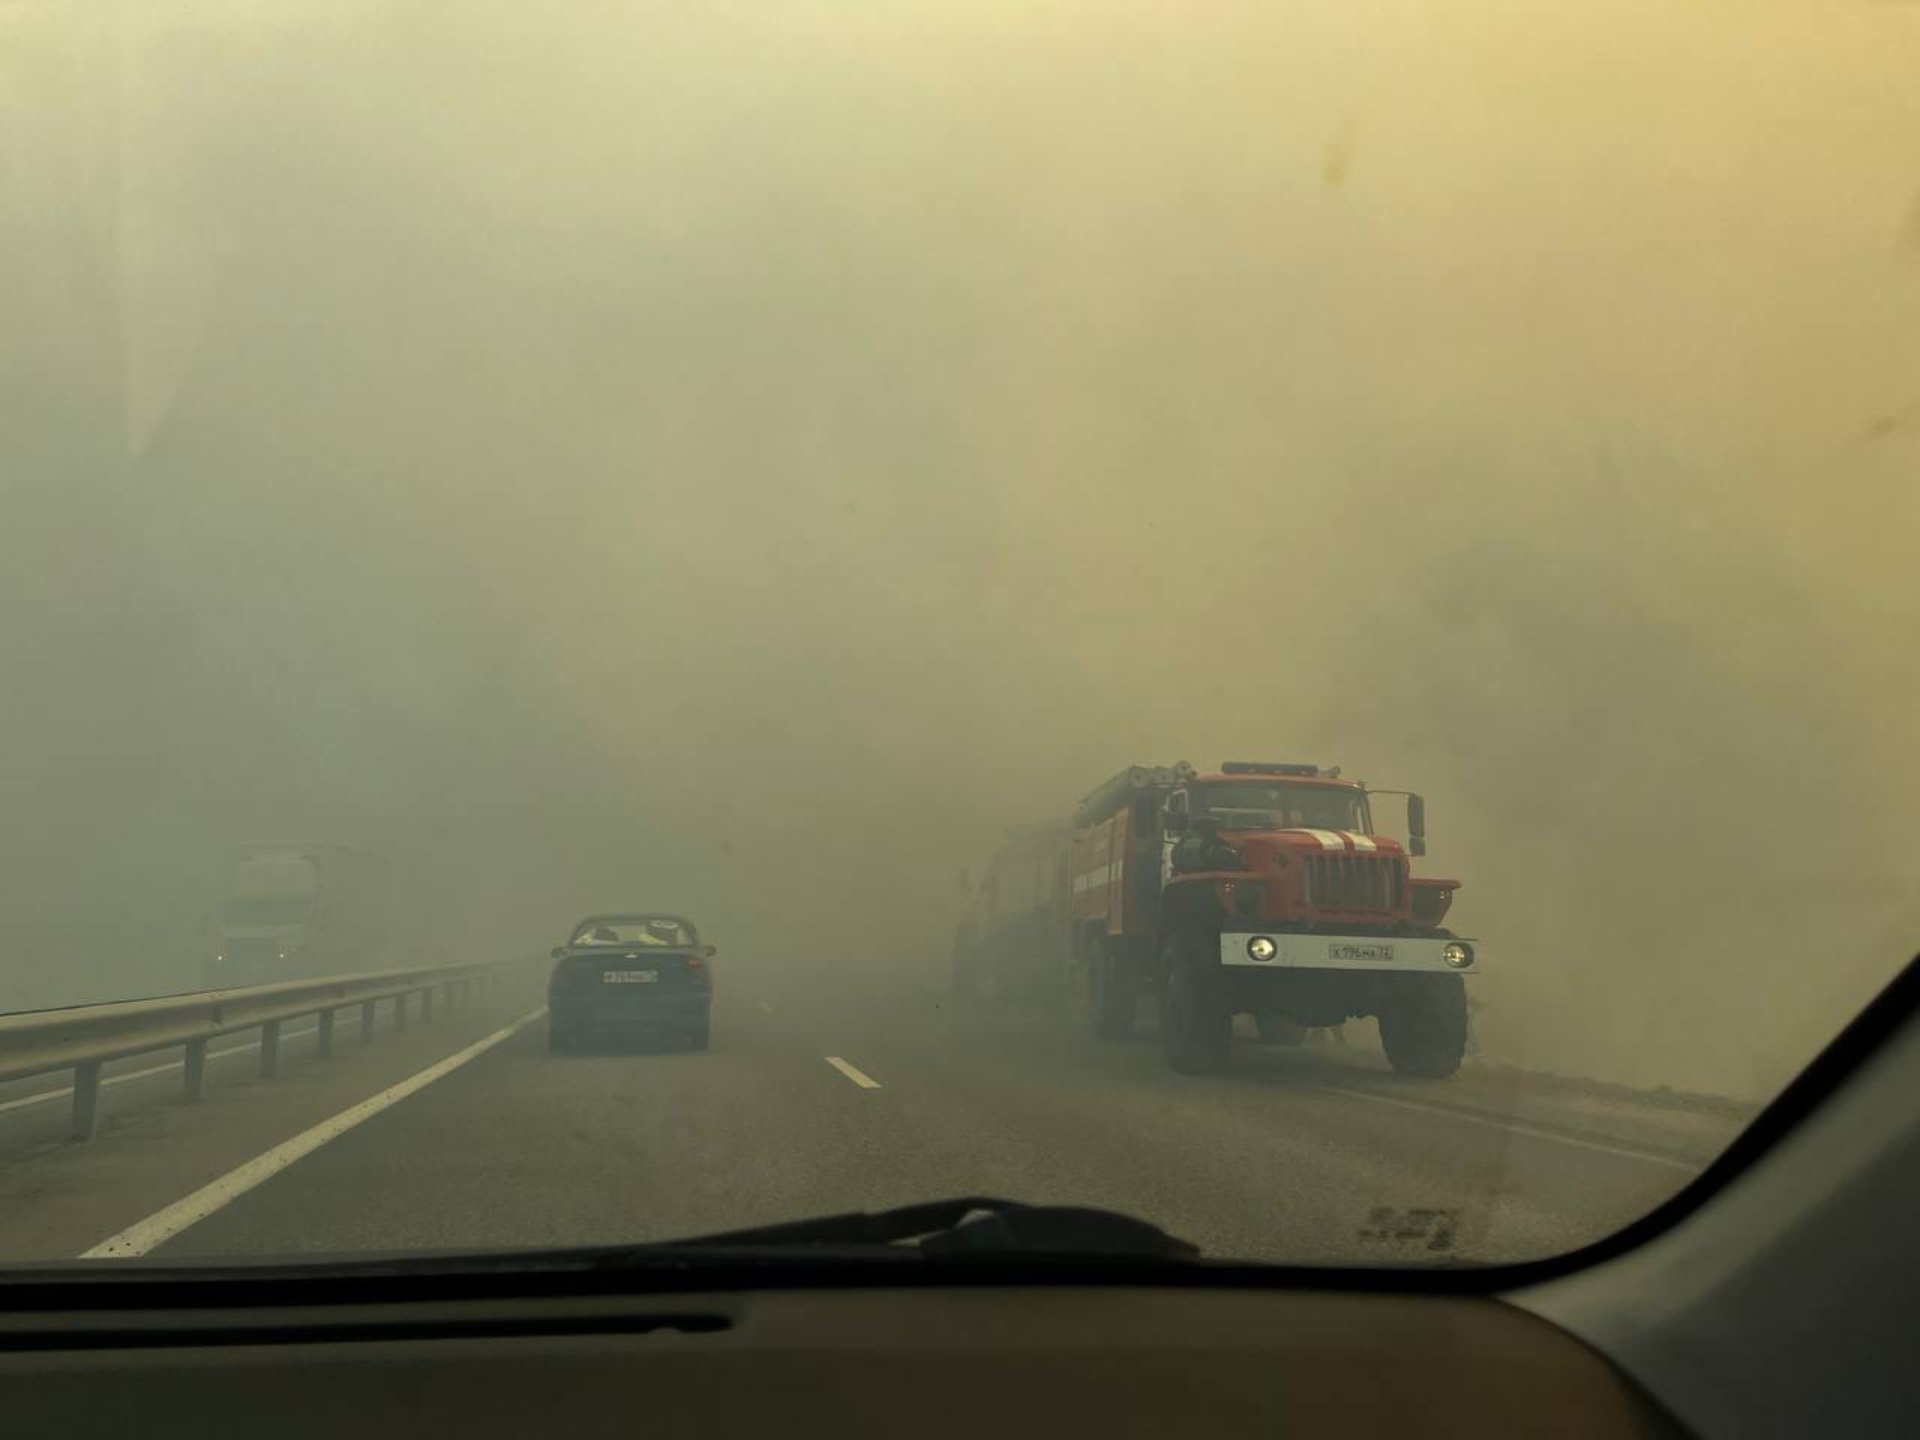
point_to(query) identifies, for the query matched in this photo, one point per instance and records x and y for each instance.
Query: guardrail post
(366, 1021)
(323, 1043)
(86, 1101)
(400, 1011)
(426, 1002)
(270, 1049)
(196, 1069)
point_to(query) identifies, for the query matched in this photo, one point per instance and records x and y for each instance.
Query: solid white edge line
(163, 1225)
(123, 1078)
(853, 1073)
(1652, 1157)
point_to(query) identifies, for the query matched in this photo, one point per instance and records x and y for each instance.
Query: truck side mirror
(556, 952)
(1416, 825)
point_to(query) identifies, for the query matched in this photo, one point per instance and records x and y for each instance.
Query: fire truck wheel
(1115, 982)
(1278, 1030)
(1423, 1027)
(1196, 1022)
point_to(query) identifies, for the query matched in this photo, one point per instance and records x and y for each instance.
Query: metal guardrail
(86, 1037)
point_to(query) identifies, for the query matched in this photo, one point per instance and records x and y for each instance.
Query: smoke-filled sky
(745, 456)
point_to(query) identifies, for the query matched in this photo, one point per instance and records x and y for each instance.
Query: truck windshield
(1262, 803)
(269, 909)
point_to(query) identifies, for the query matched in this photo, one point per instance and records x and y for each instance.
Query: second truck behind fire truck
(1259, 889)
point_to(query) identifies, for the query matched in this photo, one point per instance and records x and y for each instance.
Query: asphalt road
(807, 1104)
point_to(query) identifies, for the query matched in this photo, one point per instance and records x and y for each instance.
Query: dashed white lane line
(163, 1225)
(765, 1009)
(853, 1073)
(1513, 1127)
(131, 1075)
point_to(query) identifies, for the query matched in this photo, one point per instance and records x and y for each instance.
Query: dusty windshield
(269, 909)
(831, 472)
(1319, 807)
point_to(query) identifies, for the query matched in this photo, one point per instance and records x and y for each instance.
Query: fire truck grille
(1369, 883)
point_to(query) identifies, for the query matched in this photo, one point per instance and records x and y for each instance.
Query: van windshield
(269, 909)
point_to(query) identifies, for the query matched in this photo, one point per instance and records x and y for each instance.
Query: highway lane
(38, 1110)
(808, 1105)
(58, 1198)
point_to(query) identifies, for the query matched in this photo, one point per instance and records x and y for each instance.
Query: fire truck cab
(1261, 888)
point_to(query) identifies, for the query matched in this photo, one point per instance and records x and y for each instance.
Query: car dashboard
(923, 1361)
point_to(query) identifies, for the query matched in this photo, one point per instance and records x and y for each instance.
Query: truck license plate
(1382, 954)
(630, 977)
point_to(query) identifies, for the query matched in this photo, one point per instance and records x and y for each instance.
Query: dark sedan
(628, 976)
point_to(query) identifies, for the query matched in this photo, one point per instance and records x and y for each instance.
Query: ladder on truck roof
(1122, 788)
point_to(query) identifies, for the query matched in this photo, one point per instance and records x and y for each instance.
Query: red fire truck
(1261, 888)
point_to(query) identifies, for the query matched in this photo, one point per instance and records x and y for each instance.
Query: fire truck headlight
(1458, 954)
(1261, 948)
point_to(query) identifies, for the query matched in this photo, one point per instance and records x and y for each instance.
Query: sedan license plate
(630, 977)
(1379, 954)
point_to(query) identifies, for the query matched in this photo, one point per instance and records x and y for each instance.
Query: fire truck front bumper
(1382, 954)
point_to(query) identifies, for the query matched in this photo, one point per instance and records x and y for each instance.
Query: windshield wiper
(965, 1226)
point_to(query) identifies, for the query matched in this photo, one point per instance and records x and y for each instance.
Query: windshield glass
(634, 932)
(269, 909)
(835, 471)
(1277, 806)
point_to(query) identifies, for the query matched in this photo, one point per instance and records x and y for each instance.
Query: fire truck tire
(1423, 1027)
(1278, 1030)
(1115, 982)
(1196, 1020)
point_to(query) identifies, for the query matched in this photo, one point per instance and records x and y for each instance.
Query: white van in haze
(299, 910)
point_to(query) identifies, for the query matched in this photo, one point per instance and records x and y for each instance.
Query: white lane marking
(163, 1225)
(131, 1075)
(1505, 1127)
(853, 1073)
(765, 1009)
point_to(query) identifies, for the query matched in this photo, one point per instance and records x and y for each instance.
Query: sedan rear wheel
(699, 1033)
